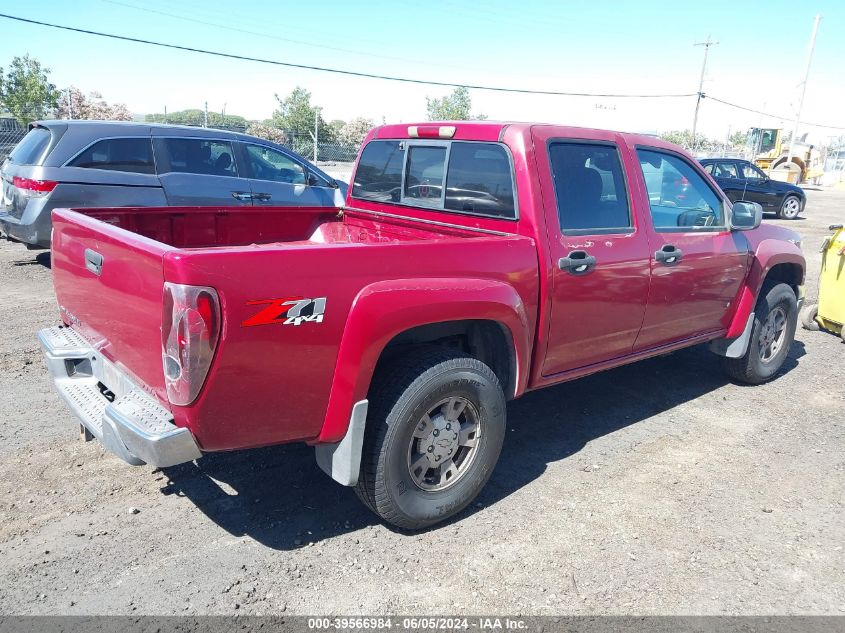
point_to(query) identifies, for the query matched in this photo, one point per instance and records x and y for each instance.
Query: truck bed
(204, 227)
(281, 374)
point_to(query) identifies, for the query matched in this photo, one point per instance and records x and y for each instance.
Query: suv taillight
(33, 188)
(189, 334)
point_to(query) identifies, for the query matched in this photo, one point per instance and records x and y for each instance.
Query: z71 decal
(288, 311)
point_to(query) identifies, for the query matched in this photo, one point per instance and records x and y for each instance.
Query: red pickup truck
(472, 262)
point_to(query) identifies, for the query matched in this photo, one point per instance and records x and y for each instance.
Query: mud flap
(734, 347)
(342, 461)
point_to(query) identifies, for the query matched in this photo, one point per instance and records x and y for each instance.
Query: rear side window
(479, 180)
(379, 173)
(590, 188)
(31, 149)
(133, 155)
(197, 156)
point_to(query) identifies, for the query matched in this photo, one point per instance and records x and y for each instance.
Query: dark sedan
(742, 180)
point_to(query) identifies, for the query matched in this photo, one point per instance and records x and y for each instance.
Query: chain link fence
(11, 132)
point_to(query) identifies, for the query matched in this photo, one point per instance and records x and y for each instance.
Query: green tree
(195, 116)
(685, 140)
(453, 107)
(738, 140)
(295, 114)
(26, 91)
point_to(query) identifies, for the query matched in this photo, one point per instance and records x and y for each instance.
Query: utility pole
(706, 44)
(803, 87)
(205, 118)
(165, 114)
(69, 105)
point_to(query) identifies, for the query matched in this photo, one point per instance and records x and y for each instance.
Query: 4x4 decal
(287, 311)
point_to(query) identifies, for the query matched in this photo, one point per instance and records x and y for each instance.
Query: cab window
(679, 197)
(589, 188)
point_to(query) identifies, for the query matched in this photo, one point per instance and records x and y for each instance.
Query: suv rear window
(118, 154)
(478, 177)
(31, 149)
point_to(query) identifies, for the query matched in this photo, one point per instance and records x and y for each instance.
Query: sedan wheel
(790, 208)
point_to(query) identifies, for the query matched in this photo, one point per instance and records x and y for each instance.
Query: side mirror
(746, 216)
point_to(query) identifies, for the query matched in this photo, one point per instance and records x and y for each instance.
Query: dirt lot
(658, 488)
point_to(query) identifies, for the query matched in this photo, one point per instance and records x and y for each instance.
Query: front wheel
(775, 319)
(433, 436)
(790, 208)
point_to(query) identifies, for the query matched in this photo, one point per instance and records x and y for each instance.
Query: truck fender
(385, 309)
(768, 254)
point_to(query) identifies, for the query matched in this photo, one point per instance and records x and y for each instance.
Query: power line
(236, 29)
(774, 116)
(336, 70)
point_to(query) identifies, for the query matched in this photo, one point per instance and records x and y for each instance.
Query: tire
(790, 208)
(808, 317)
(761, 360)
(432, 385)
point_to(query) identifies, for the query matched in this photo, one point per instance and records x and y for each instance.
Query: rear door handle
(242, 195)
(668, 255)
(577, 263)
(263, 197)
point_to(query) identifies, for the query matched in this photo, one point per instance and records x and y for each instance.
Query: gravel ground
(657, 488)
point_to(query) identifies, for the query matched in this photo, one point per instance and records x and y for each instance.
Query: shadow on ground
(279, 497)
(42, 259)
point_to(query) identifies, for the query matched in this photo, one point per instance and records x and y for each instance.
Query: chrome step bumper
(128, 421)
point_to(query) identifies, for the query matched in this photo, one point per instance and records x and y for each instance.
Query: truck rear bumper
(129, 422)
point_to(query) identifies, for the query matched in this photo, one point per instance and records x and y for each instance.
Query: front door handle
(242, 195)
(263, 197)
(577, 263)
(669, 255)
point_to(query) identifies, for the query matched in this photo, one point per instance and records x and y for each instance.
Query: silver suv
(122, 164)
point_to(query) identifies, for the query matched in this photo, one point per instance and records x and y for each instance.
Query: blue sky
(621, 47)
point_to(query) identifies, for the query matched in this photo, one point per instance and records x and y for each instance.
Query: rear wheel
(433, 436)
(775, 319)
(790, 208)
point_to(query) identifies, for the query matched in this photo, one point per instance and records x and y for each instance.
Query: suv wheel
(775, 319)
(433, 436)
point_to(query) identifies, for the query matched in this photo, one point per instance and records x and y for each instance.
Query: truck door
(599, 256)
(697, 263)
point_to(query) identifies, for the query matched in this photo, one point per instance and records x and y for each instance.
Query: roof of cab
(494, 131)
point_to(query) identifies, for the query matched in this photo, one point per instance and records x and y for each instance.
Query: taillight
(33, 188)
(189, 334)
